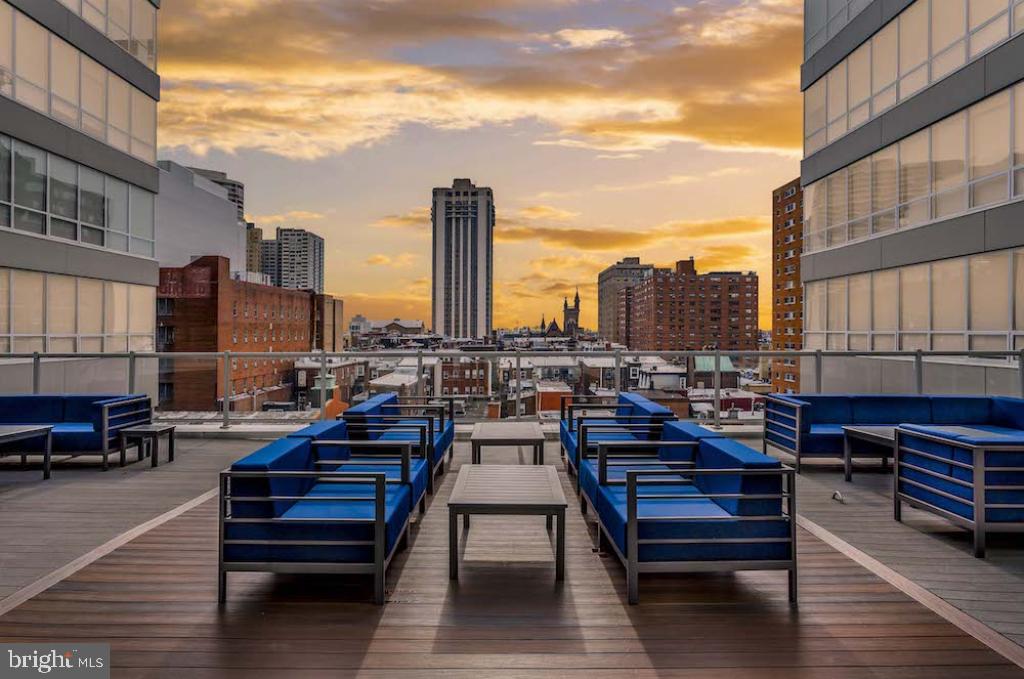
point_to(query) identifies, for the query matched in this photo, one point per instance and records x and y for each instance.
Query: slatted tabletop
(507, 486)
(507, 433)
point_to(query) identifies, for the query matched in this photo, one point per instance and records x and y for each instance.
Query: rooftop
(144, 582)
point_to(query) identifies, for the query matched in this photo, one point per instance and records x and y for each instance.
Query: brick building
(624, 302)
(465, 377)
(610, 283)
(680, 309)
(787, 292)
(201, 308)
(327, 328)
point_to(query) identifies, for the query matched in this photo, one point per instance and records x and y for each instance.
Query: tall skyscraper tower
(463, 260)
(624, 274)
(295, 259)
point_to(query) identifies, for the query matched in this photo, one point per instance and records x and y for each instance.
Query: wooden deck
(154, 600)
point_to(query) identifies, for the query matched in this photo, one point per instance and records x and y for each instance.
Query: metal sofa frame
(382, 557)
(978, 523)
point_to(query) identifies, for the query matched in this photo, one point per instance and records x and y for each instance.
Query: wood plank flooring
(154, 600)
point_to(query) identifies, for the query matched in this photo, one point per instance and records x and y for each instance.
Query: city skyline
(596, 125)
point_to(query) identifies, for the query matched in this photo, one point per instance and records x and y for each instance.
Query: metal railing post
(36, 372)
(323, 386)
(919, 372)
(419, 373)
(225, 401)
(818, 376)
(131, 372)
(618, 372)
(718, 389)
(519, 383)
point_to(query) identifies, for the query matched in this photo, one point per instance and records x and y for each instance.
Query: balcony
(129, 557)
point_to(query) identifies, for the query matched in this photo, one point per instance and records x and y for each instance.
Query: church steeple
(576, 302)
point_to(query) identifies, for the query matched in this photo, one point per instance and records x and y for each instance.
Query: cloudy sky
(607, 128)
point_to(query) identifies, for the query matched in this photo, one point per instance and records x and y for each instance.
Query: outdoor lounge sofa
(811, 425)
(691, 502)
(83, 424)
(970, 472)
(634, 418)
(317, 505)
(387, 417)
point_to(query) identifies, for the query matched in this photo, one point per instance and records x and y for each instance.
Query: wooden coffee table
(510, 490)
(508, 434)
(881, 436)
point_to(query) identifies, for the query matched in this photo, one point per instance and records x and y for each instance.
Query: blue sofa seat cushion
(612, 507)
(306, 529)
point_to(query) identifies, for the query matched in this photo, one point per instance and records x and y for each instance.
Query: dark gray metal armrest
(404, 446)
(605, 447)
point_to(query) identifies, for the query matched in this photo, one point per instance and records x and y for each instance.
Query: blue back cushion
(684, 431)
(33, 409)
(625, 408)
(331, 430)
(827, 410)
(83, 408)
(285, 454)
(961, 409)
(365, 411)
(723, 453)
(1008, 412)
(891, 409)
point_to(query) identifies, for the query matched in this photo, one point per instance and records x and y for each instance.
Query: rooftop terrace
(129, 557)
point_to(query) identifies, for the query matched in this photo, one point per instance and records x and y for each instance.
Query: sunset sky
(607, 128)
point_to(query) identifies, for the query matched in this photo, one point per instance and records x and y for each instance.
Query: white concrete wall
(194, 218)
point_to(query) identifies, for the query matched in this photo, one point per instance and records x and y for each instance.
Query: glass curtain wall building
(913, 175)
(78, 101)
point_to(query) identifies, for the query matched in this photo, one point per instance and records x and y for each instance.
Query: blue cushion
(827, 410)
(34, 409)
(890, 409)
(723, 453)
(685, 432)
(612, 508)
(1008, 412)
(823, 440)
(282, 455)
(961, 409)
(327, 430)
(73, 437)
(396, 506)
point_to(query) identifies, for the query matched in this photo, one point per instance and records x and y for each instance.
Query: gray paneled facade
(76, 237)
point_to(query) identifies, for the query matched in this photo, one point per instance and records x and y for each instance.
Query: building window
(56, 79)
(957, 165)
(54, 197)
(923, 44)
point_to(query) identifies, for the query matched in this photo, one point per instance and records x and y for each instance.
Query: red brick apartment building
(787, 292)
(200, 307)
(680, 309)
(466, 376)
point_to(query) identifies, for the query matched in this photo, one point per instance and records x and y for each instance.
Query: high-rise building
(913, 177)
(253, 248)
(609, 282)
(680, 310)
(463, 260)
(78, 179)
(194, 218)
(294, 259)
(787, 292)
(234, 188)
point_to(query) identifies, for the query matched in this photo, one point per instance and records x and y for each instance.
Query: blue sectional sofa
(970, 472)
(811, 425)
(83, 424)
(635, 418)
(313, 503)
(386, 417)
(691, 502)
